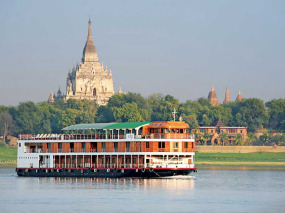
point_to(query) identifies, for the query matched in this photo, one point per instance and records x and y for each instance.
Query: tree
(250, 138)
(162, 107)
(277, 139)
(128, 113)
(249, 112)
(206, 137)
(224, 137)
(7, 124)
(104, 115)
(191, 121)
(276, 111)
(29, 118)
(238, 140)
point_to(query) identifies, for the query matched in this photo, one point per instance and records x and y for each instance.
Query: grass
(8, 155)
(249, 159)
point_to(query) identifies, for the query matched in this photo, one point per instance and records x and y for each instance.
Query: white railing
(113, 166)
(102, 136)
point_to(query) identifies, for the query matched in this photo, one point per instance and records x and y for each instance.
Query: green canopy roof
(127, 125)
(88, 126)
(124, 125)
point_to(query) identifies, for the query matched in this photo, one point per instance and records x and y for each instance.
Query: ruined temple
(212, 97)
(239, 98)
(227, 97)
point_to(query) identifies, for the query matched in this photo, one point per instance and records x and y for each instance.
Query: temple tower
(212, 97)
(239, 98)
(227, 97)
(50, 98)
(90, 79)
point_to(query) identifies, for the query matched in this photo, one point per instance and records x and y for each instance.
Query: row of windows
(28, 157)
(229, 131)
(161, 145)
(158, 130)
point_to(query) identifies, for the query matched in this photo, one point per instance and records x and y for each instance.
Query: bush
(2, 144)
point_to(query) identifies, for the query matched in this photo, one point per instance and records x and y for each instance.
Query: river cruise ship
(129, 149)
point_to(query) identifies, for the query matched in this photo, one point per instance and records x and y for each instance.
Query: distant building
(51, 97)
(120, 91)
(212, 97)
(239, 98)
(227, 97)
(89, 79)
(215, 132)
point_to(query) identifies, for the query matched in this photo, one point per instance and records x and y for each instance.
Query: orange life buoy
(99, 165)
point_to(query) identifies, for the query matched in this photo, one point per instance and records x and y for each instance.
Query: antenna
(173, 114)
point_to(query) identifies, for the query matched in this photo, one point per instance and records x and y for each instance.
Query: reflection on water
(208, 191)
(171, 183)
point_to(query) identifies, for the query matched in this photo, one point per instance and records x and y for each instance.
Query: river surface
(205, 191)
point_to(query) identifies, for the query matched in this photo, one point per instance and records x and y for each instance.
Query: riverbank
(8, 156)
(256, 161)
(202, 157)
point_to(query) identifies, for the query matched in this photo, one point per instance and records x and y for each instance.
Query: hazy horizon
(170, 47)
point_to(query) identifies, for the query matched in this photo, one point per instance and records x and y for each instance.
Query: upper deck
(164, 144)
(129, 131)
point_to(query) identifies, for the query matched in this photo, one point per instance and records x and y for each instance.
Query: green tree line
(43, 117)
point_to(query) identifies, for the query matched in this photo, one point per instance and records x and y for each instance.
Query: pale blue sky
(169, 47)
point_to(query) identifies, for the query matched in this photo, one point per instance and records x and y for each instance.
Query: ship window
(181, 130)
(115, 146)
(134, 161)
(19, 144)
(48, 147)
(94, 92)
(175, 145)
(59, 147)
(161, 145)
(71, 147)
(103, 147)
(147, 145)
(127, 146)
(185, 145)
(192, 145)
(83, 147)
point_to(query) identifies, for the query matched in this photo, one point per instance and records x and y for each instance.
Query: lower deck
(126, 160)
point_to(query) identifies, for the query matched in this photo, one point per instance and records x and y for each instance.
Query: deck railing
(113, 166)
(102, 136)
